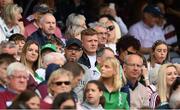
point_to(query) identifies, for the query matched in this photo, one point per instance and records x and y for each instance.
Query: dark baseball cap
(153, 10)
(42, 8)
(73, 41)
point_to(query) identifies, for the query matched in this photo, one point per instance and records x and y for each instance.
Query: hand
(145, 72)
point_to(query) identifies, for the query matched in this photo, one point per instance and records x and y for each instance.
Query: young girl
(113, 81)
(159, 56)
(93, 96)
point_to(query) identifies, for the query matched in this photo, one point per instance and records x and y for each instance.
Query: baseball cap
(73, 41)
(49, 46)
(50, 68)
(42, 8)
(153, 10)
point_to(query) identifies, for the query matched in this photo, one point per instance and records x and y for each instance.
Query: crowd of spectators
(89, 54)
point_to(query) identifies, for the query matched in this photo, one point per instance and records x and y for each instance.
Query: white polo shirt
(145, 34)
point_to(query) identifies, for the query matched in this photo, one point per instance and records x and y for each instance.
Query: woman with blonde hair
(113, 30)
(59, 82)
(166, 76)
(31, 58)
(75, 23)
(113, 82)
(10, 21)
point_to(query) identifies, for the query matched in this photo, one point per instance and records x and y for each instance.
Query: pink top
(30, 28)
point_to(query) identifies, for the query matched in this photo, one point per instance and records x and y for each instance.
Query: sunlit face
(102, 35)
(18, 81)
(61, 84)
(133, 67)
(160, 53)
(107, 70)
(34, 103)
(48, 25)
(20, 44)
(73, 53)
(171, 74)
(68, 104)
(32, 53)
(90, 44)
(93, 94)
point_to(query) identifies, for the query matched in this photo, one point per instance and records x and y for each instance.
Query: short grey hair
(15, 66)
(52, 57)
(43, 17)
(100, 52)
(96, 24)
(74, 19)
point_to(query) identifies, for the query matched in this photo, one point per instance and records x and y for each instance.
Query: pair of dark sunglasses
(58, 83)
(129, 53)
(110, 28)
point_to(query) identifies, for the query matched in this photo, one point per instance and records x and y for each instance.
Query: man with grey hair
(101, 33)
(139, 94)
(46, 30)
(52, 57)
(17, 82)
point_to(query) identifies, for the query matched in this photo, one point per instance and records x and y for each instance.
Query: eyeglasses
(110, 28)
(103, 33)
(129, 52)
(74, 49)
(133, 65)
(59, 83)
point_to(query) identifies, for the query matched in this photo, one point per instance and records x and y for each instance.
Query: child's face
(93, 94)
(20, 44)
(3, 74)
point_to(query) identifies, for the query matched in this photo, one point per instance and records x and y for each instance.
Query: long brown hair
(23, 60)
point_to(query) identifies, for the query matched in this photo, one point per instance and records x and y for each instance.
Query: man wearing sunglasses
(73, 52)
(127, 45)
(146, 30)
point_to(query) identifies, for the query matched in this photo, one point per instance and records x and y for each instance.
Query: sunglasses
(62, 82)
(110, 28)
(129, 53)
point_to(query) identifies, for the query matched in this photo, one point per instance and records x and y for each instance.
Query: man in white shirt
(90, 44)
(146, 30)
